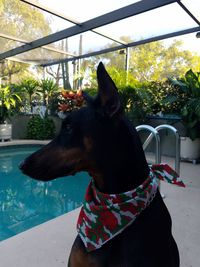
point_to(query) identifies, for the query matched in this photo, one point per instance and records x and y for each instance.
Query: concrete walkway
(184, 206)
(49, 244)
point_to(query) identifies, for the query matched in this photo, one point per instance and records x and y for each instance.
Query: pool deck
(49, 244)
(23, 142)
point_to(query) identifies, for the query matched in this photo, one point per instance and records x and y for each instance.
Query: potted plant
(189, 102)
(8, 101)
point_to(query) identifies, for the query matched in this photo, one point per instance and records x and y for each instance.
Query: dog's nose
(21, 165)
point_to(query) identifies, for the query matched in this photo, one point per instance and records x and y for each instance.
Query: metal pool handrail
(177, 138)
(153, 133)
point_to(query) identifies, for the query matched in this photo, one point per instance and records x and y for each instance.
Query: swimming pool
(24, 202)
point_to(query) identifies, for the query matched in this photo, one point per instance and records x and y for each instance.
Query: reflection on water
(6, 164)
(25, 202)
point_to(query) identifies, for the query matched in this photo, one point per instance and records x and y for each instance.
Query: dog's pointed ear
(107, 92)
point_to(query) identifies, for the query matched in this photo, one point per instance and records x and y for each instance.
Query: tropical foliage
(188, 98)
(47, 87)
(29, 89)
(134, 103)
(8, 101)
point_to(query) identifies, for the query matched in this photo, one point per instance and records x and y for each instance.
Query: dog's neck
(127, 167)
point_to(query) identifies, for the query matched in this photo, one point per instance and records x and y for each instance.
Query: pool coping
(24, 142)
(45, 245)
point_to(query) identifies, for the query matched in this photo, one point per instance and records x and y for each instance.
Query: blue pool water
(24, 202)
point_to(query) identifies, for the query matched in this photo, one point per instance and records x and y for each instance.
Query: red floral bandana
(103, 216)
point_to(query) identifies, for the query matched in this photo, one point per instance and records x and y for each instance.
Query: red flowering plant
(69, 101)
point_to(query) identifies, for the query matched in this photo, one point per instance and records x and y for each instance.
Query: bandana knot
(103, 216)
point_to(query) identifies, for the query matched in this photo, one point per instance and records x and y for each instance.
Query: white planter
(5, 132)
(190, 150)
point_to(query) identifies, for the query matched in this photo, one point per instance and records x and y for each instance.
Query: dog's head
(91, 139)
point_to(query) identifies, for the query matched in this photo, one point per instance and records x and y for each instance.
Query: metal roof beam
(188, 12)
(24, 61)
(122, 13)
(51, 11)
(12, 38)
(16, 39)
(62, 16)
(132, 44)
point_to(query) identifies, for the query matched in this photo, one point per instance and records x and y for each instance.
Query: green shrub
(133, 102)
(157, 93)
(91, 91)
(40, 128)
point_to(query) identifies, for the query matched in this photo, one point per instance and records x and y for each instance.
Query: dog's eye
(68, 128)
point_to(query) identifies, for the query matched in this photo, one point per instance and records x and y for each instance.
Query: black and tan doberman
(99, 139)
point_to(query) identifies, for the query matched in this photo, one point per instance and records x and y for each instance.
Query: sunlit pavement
(184, 206)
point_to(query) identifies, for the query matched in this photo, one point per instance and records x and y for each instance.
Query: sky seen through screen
(145, 25)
